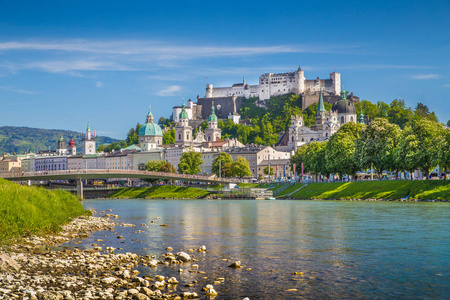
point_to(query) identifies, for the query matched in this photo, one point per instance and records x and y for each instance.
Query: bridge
(80, 175)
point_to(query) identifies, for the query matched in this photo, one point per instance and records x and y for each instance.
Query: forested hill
(25, 139)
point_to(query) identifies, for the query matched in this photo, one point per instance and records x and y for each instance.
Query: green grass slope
(28, 210)
(423, 190)
(160, 192)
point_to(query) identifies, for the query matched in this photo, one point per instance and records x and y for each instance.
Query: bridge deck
(102, 174)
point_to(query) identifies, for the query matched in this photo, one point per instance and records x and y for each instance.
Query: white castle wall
(271, 84)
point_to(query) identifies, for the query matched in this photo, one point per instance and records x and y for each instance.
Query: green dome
(212, 116)
(183, 113)
(150, 129)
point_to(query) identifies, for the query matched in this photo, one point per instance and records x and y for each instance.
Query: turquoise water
(346, 250)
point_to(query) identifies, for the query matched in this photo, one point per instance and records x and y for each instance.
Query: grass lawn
(392, 189)
(160, 192)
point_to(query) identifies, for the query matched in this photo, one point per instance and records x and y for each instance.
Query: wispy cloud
(447, 85)
(425, 76)
(9, 89)
(99, 84)
(170, 91)
(75, 56)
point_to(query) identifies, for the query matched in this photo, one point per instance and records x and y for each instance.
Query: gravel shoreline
(34, 270)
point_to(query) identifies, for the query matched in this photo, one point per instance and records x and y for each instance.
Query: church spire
(361, 118)
(149, 118)
(321, 106)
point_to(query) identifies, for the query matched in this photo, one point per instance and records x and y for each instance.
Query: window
(342, 119)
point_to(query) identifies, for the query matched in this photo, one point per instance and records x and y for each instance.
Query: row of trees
(384, 146)
(191, 161)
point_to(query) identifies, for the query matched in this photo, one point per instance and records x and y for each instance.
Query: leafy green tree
(225, 160)
(190, 162)
(400, 114)
(420, 145)
(369, 109)
(169, 137)
(241, 167)
(383, 109)
(266, 170)
(377, 144)
(340, 150)
(448, 123)
(101, 148)
(298, 158)
(316, 162)
(444, 152)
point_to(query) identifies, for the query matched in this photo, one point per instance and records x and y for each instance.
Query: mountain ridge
(21, 139)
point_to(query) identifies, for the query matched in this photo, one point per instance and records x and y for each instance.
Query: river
(344, 249)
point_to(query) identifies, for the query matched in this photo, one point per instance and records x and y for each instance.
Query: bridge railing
(122, 173)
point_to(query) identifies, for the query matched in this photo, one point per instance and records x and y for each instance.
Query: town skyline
(64, 65)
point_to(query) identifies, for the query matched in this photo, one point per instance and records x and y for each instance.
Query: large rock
(183, 256)
(8, 264)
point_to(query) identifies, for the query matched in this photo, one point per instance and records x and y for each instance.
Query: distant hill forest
(24, 139)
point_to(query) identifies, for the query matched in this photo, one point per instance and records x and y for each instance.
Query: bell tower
(88, 142)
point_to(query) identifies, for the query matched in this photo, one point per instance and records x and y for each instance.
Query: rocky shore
(36, 269)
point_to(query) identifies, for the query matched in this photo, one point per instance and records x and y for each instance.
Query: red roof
(71, 142)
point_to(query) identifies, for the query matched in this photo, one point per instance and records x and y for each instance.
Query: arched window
(326, 134)
(303, 139)
(179, 136)
(351, 118)
(342, 119)
(292, 138)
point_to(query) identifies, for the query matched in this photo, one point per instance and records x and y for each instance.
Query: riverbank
(161, 192)
(27, 210)
(423, 190)
(34, 270)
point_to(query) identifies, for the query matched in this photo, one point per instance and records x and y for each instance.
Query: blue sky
(66, 63)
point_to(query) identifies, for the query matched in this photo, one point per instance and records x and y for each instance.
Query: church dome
(183, 114)
(344, 106)
(212, 117)
(150, 129)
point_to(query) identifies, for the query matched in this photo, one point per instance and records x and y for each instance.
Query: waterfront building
(281, 169)
(11, 164)
(51, 163)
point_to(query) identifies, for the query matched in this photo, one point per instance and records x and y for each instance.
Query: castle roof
(150, 128)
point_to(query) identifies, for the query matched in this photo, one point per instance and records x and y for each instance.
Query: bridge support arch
(80, 189)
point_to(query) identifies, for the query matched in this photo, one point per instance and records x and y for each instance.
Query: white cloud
(425, 76)
(99, 84)
(170, 91)
(5, 88)
(447, 85)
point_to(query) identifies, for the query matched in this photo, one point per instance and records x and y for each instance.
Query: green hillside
(25, 139)
(28, 210)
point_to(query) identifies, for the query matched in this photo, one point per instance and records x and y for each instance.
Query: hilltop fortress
(271, 84)
(228, 100)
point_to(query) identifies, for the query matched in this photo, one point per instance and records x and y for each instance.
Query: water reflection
(344, 249)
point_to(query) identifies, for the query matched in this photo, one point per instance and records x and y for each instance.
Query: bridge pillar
(80, 189)
(229, 186)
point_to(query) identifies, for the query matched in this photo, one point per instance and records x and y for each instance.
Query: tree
(316, 162)
(190, 162)
(444, 152)
(400, 114)
(161, 121)
(266, 170)
(448, 123)
(420, 145)
(223, 162)
(340, 150)
(368, 108)
(241, 168)
(298, 158)
(377, 144)
(169, 137)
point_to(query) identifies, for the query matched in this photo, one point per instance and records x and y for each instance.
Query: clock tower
(88, 142)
